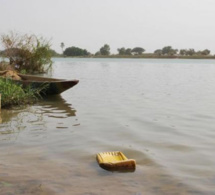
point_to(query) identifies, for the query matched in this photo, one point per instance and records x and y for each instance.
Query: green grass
(15, 94)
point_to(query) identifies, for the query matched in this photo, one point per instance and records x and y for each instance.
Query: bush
(27, 52)
(15, 94)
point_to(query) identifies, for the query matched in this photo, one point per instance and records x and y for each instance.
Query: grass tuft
(14, 94)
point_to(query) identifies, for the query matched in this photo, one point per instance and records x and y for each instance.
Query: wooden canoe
(115, 161)
(55, 86)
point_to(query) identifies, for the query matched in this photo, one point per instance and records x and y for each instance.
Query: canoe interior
(38, 78)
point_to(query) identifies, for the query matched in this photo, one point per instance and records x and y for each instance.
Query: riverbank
(13, 93)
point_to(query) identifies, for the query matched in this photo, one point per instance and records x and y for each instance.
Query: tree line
(105, 51)
(167, 51)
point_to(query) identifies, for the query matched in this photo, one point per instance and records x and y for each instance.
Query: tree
(182, 52)
(138, 50)
(121, 51)
(62, 46)
(205, 52)
(168, 50)
(173, 52)
(190, 52)
(128, 51)
(27, 52)
(158, 52)
(75, 51)
(105, 50)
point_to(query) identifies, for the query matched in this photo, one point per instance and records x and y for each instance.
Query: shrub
(27, 52)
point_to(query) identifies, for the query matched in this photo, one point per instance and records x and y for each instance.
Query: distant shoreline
(140, 57)
(144, 56)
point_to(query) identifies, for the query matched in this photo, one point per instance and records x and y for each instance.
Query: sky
(89, 24)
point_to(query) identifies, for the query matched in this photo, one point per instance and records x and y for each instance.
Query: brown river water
(159, 112)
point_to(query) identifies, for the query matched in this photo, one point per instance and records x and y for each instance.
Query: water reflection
(55, 105)
(35, 118)
(7, 114)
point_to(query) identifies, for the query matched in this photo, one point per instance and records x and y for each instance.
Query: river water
(159, 112)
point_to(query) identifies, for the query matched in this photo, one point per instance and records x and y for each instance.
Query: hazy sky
(89, 24)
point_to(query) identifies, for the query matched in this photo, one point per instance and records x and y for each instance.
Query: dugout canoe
(54, 86)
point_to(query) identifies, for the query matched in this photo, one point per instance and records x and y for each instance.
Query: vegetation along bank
(26, 54)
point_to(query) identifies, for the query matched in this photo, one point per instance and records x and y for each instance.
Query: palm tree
(62, 46)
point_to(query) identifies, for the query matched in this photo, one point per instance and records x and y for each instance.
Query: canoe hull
(53, 86)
